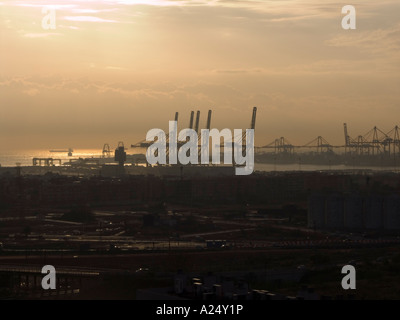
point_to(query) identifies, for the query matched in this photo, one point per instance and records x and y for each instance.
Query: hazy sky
(113, 69)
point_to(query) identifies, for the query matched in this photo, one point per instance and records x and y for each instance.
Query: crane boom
(191, 120)
(196, 128)
(209, 120)
(253, 119)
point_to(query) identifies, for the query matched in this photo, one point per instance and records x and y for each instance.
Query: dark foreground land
(377, 271)
(110, 237)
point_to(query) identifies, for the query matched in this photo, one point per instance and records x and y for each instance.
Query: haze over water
(24, 158)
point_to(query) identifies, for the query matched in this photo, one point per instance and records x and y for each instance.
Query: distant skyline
(113, 69)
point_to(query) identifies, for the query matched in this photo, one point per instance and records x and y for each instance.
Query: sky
(111, 70)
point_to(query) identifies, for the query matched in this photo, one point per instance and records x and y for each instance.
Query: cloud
(91, 10)
(107, 109)
(41, 34)
(237, 71)
(31, 92)
(115, 68)
(42, 5)
(375, 41)
(88, 19)
(148, 2)
(68, 27)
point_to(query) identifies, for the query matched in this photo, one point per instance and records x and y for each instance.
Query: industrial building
(354, 211)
